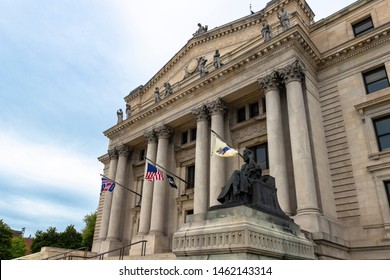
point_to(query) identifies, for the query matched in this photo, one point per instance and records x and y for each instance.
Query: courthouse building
(311, 99)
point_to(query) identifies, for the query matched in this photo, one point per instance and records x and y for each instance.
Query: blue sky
(65, 67)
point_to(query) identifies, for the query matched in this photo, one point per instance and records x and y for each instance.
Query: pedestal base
(241, 233)
(155, 244)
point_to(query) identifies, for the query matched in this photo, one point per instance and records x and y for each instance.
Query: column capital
(164, 131)
(201, 113)
(123, 150)
(293, 72)
(270, 82)
(217, 106)
(150, 136)
(112, 154)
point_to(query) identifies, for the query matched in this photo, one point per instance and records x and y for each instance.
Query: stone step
(162, 256)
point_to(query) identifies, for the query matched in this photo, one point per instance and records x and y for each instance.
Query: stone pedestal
(156, 244)
(241, 232)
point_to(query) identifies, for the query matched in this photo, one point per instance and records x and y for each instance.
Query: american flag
(153, 173)
(107, 185)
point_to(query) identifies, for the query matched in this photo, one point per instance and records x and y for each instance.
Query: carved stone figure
(157, 97)
(128, 111)
(239, 187)
(217, 61)
(284, 18)
(248, 187)
(202, 66)
(201, 29)
(168, 89)
(119, 114)
(266, 31)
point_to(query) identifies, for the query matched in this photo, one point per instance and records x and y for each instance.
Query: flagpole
(168, 171)
(216, 134)
(121, 186)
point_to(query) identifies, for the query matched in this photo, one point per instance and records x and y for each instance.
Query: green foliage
(89, 229)
(18, 248)
(50, 238)
(5, 241)
(70, 238)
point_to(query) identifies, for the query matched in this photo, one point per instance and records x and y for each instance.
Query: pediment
(230, 40)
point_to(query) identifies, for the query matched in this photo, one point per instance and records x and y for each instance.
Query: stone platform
(240, 232)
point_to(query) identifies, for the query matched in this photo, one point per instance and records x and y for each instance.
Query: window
(184, 137)
(142, 155)
(387, 188)
(241, 115)
(362, 26)
(261, 155)
(376, 79)
(190, 176)
(193, 134)
(382, 131)
(254, 109)
(187, 213)
(263, 103)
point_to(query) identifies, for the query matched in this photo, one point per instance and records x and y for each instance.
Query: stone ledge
(241, 230)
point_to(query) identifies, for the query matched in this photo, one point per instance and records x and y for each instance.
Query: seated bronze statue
(239, 187)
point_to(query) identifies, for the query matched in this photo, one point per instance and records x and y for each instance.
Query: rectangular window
(254, 109)
(241, 115)
(184, 137)
(261, 155)
(142, 155)
(263, 104)
(387, 188)
(193, 134)
(190, 176)
(376, 79)
(187, 213)
(362, 26)
(382, 131)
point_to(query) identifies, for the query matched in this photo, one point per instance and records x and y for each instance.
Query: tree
(5, 241)
(18, 248)
(70, 238)
(49, 238)
(89, 229)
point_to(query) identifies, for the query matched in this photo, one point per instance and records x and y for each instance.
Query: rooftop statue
(201, 29)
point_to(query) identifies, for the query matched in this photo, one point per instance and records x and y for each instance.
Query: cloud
(48, 164)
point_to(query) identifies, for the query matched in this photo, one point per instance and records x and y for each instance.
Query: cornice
(385, 99)
(355, 46)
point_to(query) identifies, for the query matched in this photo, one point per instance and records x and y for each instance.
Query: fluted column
(202, 154)
(147, 190)
(300, 141)
(117, 200)
(160, 207)
(276, 146)
(108, 196)
(217, 164)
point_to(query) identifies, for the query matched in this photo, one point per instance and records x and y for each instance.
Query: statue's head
(248, 154)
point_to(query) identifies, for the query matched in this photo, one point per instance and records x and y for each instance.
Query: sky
(65, 68)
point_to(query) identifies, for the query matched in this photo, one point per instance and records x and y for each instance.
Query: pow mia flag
(171, 181)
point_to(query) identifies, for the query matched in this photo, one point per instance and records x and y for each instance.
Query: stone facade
(303, 100)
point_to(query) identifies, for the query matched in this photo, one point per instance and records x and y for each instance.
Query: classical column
(108, 196)
(300, 141)
(276, 148)
(202, 155)
(147, 190)
(217, 164)
(118, 193)
(160, 207)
